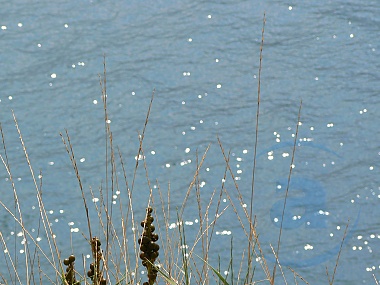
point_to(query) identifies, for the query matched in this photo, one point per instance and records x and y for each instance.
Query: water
(202, 59)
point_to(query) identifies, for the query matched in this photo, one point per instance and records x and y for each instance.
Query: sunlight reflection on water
(203, 65)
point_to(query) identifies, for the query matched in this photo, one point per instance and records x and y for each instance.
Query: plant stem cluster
(95, 273)
(70, 273)
(148, 246)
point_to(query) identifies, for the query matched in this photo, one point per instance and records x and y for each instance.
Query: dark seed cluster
(70, 274)
(148, 246)
(94, 273)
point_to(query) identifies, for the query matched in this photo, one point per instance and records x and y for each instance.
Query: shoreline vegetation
(157, 254)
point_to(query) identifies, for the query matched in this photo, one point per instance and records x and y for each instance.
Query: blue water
(202, 59)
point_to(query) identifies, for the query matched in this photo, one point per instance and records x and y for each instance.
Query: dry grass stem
(287, 191)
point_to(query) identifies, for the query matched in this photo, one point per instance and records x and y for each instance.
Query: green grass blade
(221, 278)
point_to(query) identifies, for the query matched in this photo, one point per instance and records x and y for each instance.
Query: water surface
(202, 60)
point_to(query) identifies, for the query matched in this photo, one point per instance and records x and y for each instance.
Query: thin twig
(374, 277)
(70, 152)
(340, 251)
(141, 139)
(287, 191)
(299, 276)
(249, 259)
